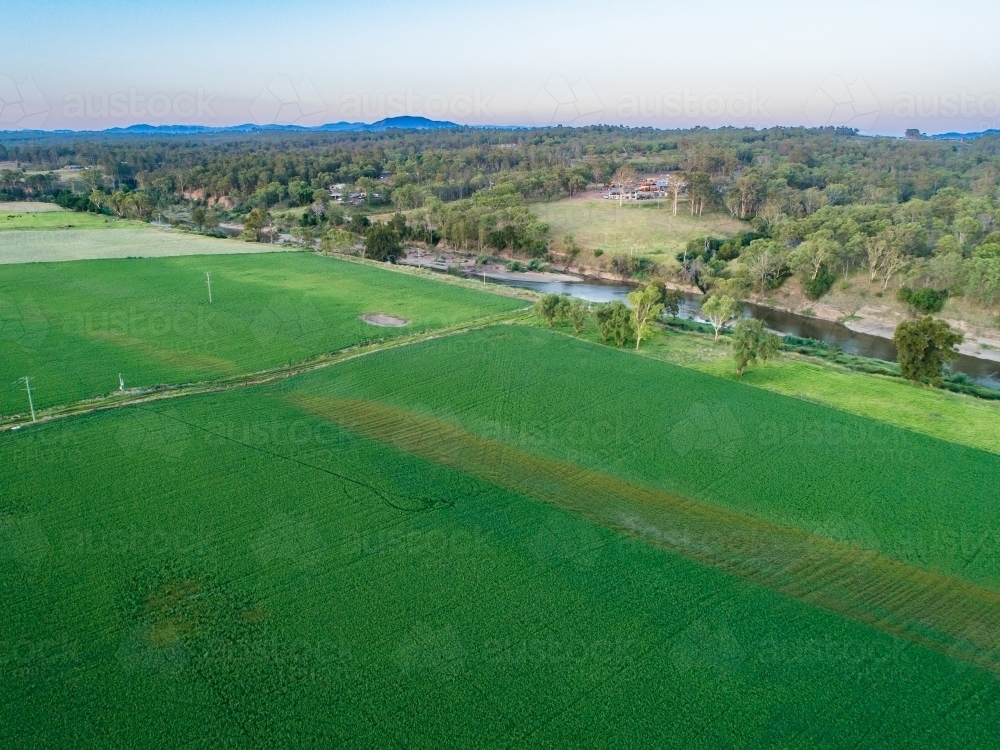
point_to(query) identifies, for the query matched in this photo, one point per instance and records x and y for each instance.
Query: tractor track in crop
(153, 394)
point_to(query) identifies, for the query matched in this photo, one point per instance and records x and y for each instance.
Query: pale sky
(880, 68)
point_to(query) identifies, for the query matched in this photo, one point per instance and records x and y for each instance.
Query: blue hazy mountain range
(400, 123)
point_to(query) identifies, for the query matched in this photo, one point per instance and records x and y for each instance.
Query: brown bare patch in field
(944, 613)
(384, 320)
(168, 612)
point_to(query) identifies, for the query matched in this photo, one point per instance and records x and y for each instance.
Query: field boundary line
(501, 290)
(246, 380)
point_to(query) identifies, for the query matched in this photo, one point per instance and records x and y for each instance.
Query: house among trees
(340, 194)
(646, 188)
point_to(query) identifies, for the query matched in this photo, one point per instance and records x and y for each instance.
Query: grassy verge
(949, 416)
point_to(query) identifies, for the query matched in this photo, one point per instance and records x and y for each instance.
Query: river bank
(865, 331)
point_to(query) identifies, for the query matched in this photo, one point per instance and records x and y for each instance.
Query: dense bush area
(818, 203)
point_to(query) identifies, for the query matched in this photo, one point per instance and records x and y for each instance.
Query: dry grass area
(27, 207)
(648, 228)
(862, 305)
(88, 244)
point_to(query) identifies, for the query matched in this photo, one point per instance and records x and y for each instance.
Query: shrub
(820, 284)
(382, 243)
(925, 299)
(577, 314)
(554, 308)
(536, 264)
(615, 321)
(752, 343)
(924, 346)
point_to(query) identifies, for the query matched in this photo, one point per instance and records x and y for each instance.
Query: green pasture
(74, 327)
(231, 570)
(923, 501)
(931, 411)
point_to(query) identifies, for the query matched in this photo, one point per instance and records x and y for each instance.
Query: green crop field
(73, 327)
(467, 542)
(645, 228)
(702, 437)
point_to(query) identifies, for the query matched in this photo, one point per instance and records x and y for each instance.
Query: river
(983, 371)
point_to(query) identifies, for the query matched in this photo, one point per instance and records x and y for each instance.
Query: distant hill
(405, 122)
(963, 136)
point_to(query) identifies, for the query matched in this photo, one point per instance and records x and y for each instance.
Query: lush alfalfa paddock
(785, 460)
(73, 327)
(232, 568)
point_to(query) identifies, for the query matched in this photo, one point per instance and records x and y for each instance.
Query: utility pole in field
(208, 279)
(31, 404)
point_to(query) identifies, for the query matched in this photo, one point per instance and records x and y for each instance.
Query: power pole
(121, 383)
(31, 404)
(208, 278)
